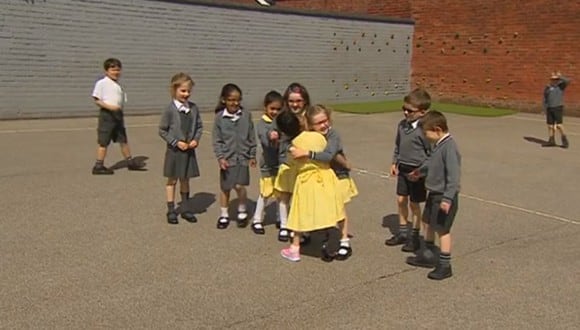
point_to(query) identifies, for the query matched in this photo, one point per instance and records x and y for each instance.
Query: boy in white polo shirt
(110, 98)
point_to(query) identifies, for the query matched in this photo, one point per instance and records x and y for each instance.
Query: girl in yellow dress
(296, 100)
(319, 121)
(315, 202)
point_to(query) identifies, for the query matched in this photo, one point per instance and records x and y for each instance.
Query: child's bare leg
(170, 197)
(443, 269)
(403, 211)
(184, 189)
(125, 150)
(101, 153)
(560, 128)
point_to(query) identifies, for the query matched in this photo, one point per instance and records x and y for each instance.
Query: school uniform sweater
(443, 169)
(411, 146)
(554, 94)
(234, 137)
(269, 159)
(333, 147)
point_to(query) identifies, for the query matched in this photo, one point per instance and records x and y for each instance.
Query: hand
(297, 152)
(182, 145)
(192, 144)
(394, 170)
(414, 175)
(445, 207)
(348, 165)
(274, 136)
(223, 164)
(252, 163)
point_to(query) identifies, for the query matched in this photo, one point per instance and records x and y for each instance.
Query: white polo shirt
(110, 92)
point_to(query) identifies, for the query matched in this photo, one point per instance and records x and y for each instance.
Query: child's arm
(198, 129)
(395, 154)
(262, 132)
(252, 142)
(333, 145)
(110, 107)
(563, 82)
(164, 126)
(452, 174)
(341, 159)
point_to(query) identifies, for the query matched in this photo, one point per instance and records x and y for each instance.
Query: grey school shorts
(437, 219)
(111, 127)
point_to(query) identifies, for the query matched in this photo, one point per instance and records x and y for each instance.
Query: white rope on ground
(384, 175)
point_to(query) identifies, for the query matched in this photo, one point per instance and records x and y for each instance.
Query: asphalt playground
(91, 252)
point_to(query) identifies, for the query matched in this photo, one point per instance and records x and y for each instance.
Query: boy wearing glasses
(411, 151)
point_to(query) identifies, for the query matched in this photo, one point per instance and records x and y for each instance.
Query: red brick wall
(493, 52)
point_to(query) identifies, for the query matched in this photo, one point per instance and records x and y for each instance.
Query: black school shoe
(283, 235)
(258, 228)
(132, 165)
(424, 259)
(440, 272)
(397, 239)
(223, 222)
(412, 245)
(551, 142)
(172, 218)
(242, 219)
(565, 143)
(188, 216)
(102, 170)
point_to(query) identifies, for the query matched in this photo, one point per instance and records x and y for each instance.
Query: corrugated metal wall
(52, 52)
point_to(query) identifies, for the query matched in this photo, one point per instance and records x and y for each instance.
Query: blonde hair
(312, 111)
(178, 80)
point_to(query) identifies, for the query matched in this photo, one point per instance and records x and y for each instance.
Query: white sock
(242, 207)
(345, 242)
(259, 209)
(224, 211)
(283, 210)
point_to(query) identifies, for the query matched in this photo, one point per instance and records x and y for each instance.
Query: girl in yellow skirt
(269, 159)
(316, 203)
(319, 121)
(296, 99)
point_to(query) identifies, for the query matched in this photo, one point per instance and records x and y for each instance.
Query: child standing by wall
(181, 128)
(110, 98)
(234, 144)
(296, 99)
(319, 120)
(443, 172)
(411, 151)
(554, 108)
(316, 203)
(269, 161)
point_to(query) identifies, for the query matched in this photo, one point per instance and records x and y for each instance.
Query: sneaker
(412, 245)
(440, 272)
(397, 239)
(565, 143)
(102, 170)
(288, 254)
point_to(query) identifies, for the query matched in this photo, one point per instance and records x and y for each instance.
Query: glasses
(409, 110)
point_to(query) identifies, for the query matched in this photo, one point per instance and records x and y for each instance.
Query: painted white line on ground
(486, 201)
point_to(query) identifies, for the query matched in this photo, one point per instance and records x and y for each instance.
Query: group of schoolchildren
(302, 164)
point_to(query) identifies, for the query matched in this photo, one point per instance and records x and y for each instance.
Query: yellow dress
(316, 202)
(284, 181)
(347, 188)
(267, 186)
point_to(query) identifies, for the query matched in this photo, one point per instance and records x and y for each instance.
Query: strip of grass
(392, 106)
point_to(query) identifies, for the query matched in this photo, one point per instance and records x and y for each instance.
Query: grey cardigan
(170, 125)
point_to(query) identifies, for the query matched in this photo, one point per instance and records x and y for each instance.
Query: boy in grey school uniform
(234, 144)
(443, 172)
(411, 151)
(554, 108)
